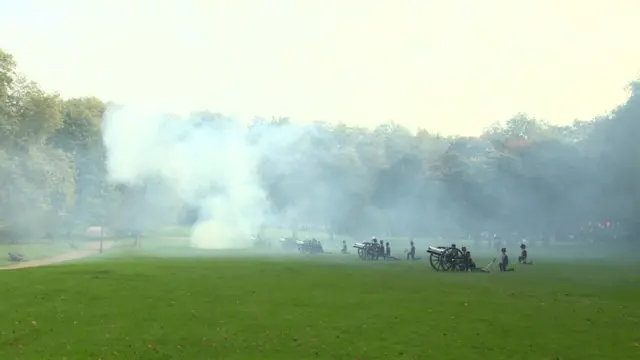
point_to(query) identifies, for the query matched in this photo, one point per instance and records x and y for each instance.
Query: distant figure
(135, 234)
(411, 254)
(374, 249)
(504, 261)
(470, 264)
(522, 259)
(388, 251)
(465, 257)
(381, 249)
(344, 246)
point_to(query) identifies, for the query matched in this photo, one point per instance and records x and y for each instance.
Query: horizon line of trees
(525, 175)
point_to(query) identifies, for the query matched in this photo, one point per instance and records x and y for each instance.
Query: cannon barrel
(299, 242)
(359, 245)
(435, 250)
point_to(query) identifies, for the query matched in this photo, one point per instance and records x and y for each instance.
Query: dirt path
(91, 249)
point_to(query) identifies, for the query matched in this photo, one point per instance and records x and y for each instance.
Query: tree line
(523, 175)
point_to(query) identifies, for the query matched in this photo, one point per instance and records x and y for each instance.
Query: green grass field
(123, 305)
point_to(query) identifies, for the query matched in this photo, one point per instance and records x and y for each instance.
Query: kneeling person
(504, 261)
(522, 259)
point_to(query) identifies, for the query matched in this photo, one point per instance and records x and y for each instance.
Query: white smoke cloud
(212, 166)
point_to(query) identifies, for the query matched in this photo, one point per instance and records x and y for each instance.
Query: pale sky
(450, 66)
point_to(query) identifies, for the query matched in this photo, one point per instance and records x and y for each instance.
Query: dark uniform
(504, 261)
(411, 254)
(388, 252)
(523, 255)
(465, 258)
(471, 265)
(522, 259)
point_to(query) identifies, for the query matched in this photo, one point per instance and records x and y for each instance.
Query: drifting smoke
(211, 166)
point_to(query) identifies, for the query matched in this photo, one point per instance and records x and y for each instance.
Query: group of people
(522, 259)
(382, 249)
(467, 263)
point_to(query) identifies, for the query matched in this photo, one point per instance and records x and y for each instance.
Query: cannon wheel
(436, 262)
(371, 255)
(449, 259)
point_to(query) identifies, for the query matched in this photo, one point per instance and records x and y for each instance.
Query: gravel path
(91, 249)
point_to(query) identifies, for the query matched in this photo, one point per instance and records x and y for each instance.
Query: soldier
(522, 259)
(381, 250)
(411, 254)
(374, 248)
(504, 261)
(344, 246)
(388, 252)
(465, 257)
(469, 263)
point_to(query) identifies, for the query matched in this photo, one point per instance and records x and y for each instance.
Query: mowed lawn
(322, 307)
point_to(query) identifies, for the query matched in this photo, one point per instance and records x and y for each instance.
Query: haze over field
(145, 152)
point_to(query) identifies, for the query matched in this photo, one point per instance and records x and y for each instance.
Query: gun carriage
(289, 244)
(312, 246)
(444, 258)
(367, 250)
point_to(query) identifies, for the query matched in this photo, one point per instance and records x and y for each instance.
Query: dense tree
(525, 176)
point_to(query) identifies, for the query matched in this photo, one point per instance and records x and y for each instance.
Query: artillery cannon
(312, 246)
(289, 244)
(444, 258)
(367, 250)
(362, 249)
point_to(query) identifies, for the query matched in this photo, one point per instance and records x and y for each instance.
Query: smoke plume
(209, 164)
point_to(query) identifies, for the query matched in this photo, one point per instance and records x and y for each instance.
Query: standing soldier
(411, 254)
(375, 252)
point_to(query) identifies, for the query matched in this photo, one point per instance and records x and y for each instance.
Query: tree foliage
(524, 175)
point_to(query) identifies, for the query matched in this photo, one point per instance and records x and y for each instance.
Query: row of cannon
(441, 258)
